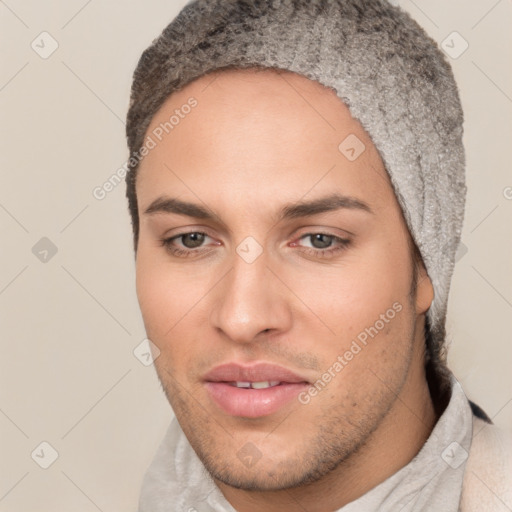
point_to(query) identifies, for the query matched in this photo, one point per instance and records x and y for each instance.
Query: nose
(250, 300)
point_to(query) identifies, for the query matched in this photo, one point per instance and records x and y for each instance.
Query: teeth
(264, 384)
(242, 384)
(256, 385)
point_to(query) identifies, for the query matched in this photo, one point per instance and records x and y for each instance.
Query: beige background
(68, 375)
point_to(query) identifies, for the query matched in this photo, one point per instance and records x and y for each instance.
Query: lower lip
(253, 403)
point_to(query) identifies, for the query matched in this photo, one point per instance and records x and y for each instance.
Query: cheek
(368, 355)
(173, 304)
(353, 296)
(163, 297)
(161, 310)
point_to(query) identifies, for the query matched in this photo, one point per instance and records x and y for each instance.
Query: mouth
(252, 391)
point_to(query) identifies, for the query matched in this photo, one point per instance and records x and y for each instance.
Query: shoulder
(487, 485)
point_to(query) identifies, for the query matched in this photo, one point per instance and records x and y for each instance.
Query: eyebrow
(287, 212)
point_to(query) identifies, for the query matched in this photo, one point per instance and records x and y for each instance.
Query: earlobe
(424, 291)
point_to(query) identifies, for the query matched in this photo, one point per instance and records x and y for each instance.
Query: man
(297, 194)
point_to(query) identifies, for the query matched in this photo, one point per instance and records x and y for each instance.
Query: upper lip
(259, 372)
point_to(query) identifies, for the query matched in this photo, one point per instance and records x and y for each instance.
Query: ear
(424, 290)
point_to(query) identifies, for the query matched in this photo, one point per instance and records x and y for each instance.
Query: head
(287, 210)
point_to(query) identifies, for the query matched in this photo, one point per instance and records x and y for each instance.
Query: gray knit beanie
(382, 65)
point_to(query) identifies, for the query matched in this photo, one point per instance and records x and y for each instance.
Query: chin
(261, 479)
(271, 474)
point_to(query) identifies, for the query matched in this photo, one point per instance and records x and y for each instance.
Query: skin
(258, 140)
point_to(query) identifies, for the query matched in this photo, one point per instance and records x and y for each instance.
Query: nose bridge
(249, 300)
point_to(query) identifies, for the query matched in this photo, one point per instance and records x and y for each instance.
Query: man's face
(322, 295)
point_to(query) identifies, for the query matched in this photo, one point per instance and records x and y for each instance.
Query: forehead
(255, 131)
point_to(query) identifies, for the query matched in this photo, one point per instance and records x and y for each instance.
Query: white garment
(488, 478)
(432, 481)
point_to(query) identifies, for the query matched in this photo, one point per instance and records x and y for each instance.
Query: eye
(191, 241)
(323, 244)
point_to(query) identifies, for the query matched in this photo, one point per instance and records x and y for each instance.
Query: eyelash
(322, 253)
